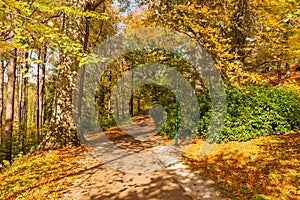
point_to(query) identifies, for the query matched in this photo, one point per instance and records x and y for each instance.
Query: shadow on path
(115, 152)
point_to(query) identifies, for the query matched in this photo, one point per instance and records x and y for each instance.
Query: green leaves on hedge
(254, 111)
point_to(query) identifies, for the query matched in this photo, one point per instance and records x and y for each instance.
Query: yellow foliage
(222, 28)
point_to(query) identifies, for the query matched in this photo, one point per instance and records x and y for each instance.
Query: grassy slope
(42, 176)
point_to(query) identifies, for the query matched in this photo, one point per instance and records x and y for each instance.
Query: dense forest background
(44, 43)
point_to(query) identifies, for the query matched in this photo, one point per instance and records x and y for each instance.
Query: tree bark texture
(9, 113)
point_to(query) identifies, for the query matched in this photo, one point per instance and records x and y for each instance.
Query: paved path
(136, 165)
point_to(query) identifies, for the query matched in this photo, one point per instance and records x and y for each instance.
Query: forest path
(137, 165)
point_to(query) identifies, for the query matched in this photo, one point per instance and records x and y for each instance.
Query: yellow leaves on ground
(42, 176)
(266, 167)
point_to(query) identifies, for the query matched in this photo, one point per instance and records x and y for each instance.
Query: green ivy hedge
(252, 111)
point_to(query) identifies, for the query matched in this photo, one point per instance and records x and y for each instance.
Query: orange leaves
(259, 167)
(41, 176)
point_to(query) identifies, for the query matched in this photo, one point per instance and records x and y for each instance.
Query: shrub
(252, 111)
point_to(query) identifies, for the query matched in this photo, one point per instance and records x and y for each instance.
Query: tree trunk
(42, 87)
(109, 94)
(37, 110)
(288, 70)
(9, 113)
(117, 108)
(1, 95)
(139, 101)
(132, 95)
(40, 91)
(19, 108)
(20, 96)
(122, 99)
(240, 23)
(79, 92)
(279, 75)
(62, 129)
(24, 106)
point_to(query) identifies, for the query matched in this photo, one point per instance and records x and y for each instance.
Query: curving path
(136, 165)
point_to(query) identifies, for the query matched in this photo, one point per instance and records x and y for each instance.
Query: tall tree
(233, 30)
(42, 87)
(1, 95)
(277, 32)
(62, 129)
(24, 103)
(9, 113)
